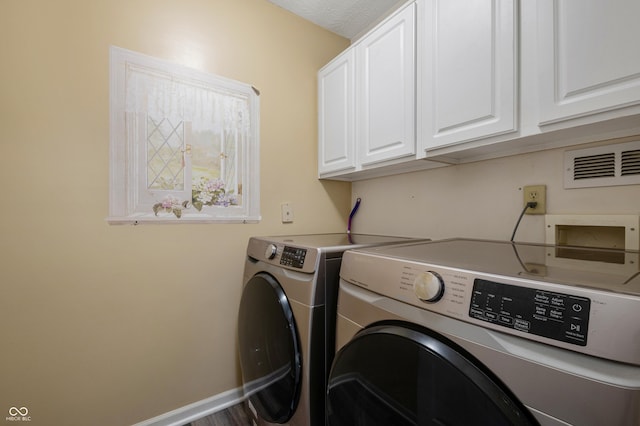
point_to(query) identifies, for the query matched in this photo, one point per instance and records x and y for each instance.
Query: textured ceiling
(347, 18)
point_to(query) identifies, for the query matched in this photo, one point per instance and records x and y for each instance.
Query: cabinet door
(336, 134)
(588, 57)
(468, 70)
(385, 112)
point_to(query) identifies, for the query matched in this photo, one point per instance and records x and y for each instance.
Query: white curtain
(200, 102)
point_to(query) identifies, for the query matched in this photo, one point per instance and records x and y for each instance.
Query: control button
(475, 313)
(557, 301)
(522, 325)
(428, 287)
(576, 307)
(541, 310)
(556, 314)
(271, 251)
(505, 319)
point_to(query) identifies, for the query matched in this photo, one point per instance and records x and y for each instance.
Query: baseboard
(197, 410)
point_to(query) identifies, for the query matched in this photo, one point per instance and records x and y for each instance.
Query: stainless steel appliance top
(334, 241)
(609, 270)
(303, 252)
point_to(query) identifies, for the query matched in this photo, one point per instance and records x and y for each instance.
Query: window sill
(148, 219)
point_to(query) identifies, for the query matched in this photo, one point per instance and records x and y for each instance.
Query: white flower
(204, 197)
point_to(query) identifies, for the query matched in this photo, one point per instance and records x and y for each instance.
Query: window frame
(125, 169)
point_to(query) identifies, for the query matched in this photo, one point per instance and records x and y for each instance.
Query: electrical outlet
(538, 194)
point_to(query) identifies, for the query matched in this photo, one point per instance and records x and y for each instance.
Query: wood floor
(232, 416)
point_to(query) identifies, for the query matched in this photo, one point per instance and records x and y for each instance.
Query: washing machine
(472, 332)
(286, 323)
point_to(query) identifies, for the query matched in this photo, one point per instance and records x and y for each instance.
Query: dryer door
(270, 356)
(401, 374)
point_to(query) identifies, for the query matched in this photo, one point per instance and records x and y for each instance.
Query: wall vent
(609, 165)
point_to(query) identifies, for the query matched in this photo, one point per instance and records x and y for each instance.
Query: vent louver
(609, 165)
(594, 166)
(630, 163)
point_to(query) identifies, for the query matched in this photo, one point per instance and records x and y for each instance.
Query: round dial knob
(271, 251)
(428, 286)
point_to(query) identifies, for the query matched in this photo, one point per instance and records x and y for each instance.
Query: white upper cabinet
(467, 74)
(336, 115)
(385, 81)
(367, 105)
(450, 81)
(588, 56)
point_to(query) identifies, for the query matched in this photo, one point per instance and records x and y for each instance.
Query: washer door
(401, 374)
(270, 356)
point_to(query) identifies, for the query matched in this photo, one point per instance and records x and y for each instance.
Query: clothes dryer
(286, 323)
(462, 332)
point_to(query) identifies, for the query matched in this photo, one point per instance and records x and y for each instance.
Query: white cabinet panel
(336, 119)
(589, 57)
(385, 112)
(468, 70)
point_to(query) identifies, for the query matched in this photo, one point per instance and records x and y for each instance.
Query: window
(184, 144)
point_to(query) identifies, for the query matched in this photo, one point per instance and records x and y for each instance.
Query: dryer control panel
(287, 256)
(293, 256)
(545, 313)
(478, 283)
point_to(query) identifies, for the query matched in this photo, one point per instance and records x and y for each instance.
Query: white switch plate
(287, 213)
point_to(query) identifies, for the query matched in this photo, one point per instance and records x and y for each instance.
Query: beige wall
(482, 199)
(110, 325)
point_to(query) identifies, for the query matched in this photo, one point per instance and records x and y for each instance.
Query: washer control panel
(544, 313)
